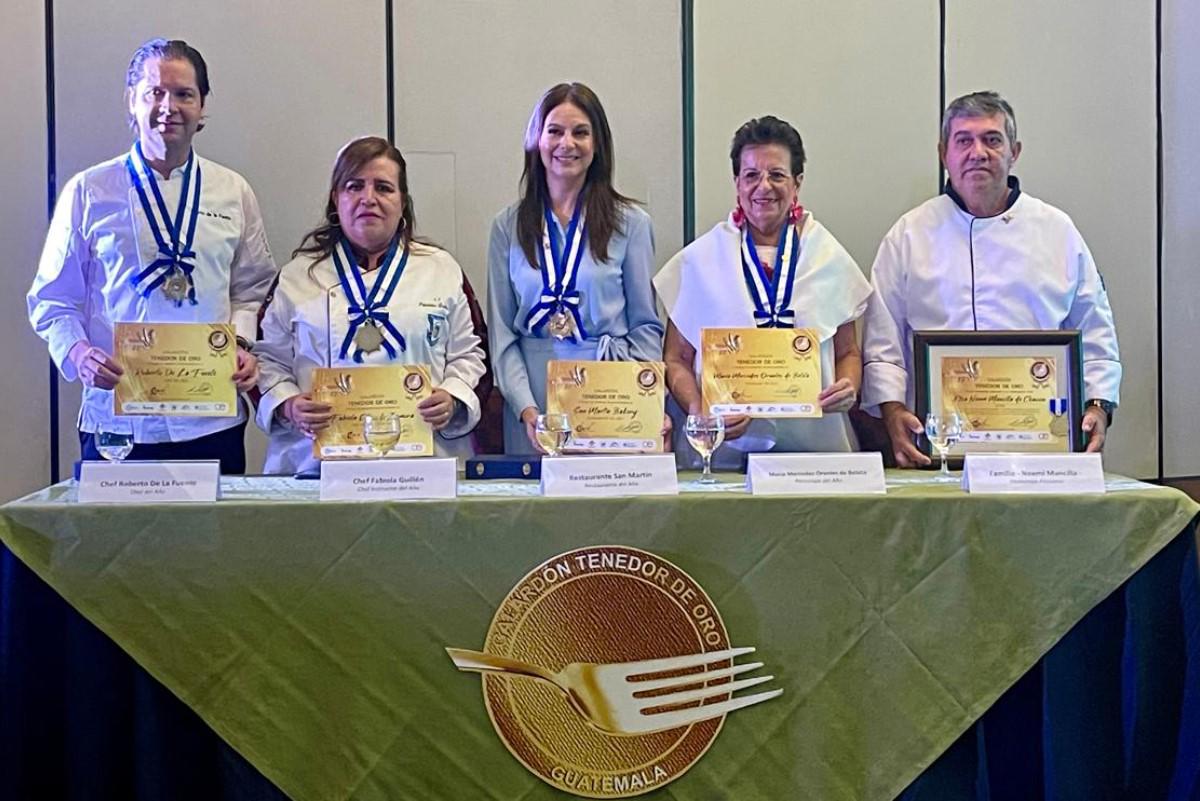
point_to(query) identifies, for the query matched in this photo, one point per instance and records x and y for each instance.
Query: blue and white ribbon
(175, 252)
(1058, 406)
(370, 307)
(560, 270)
(772, 297)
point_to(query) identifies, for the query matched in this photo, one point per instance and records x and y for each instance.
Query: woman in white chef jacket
(361, 291)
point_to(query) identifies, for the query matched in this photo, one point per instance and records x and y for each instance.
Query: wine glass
(705, 433)
(552, 432)
(381, 432)
(114, 440)
(943, 434)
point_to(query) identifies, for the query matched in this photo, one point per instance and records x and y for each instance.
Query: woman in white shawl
(729, 278)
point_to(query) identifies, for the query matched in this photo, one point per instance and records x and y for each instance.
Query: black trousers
(228, 447)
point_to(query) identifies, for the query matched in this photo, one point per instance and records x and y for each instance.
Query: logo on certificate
(1040, 370)
(414, 382)
(802, 344)
(647, 379)
(218, 341)
(608, 672)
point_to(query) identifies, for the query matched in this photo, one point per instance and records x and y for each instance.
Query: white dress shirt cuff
(271, 400)
(467, 416)
(883, 382)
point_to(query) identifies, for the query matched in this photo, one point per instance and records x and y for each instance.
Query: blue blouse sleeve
(645, 329)
(504, 335)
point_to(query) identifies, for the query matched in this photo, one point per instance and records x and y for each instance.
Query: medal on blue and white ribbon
(370, 325)
(172, 269)
(558, 307)
(1058, 419)
(772, 297)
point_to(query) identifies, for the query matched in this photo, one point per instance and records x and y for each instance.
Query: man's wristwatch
(1105, 406)
(245, 344)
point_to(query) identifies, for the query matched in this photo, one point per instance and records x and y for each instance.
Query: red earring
(739, 216)
(796, 212)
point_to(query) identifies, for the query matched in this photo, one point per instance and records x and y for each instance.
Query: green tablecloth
(310, 635)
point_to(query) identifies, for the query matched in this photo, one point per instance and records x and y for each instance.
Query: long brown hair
(357, 154)
(603, 203)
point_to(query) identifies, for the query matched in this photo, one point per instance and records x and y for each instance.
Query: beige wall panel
(469, 71)
(291, 83)
(858, 80)
(1080, 76)
(1181, 237)
(24, 427)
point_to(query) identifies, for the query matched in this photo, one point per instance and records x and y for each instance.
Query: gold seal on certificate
(175, 369)
(761, 372)
(613, 407)
(1013, 401)
(374, 411)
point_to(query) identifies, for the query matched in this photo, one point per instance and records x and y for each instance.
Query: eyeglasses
(774, 177)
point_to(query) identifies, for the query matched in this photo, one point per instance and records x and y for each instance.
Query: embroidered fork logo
(608, 672)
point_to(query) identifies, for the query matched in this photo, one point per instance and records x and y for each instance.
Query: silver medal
(561, 325)
(175, 287)
(368, 338)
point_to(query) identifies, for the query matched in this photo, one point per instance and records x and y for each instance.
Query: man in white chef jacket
(983, 256)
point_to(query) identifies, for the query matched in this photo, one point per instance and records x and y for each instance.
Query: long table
(310, 636)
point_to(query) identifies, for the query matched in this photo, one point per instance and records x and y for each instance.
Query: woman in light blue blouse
(569, 263)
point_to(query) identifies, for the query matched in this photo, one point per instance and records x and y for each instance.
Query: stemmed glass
(705, 433)
(552, 432)
(114, 441)
(382, 432)
(943, 434)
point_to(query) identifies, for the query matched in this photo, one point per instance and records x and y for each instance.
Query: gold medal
(1059, 426)
(561, 325)
(368, 338)
(175, 287)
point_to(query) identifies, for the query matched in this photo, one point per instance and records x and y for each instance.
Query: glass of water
(943, 433)
(114, 439)
(705, 433)
(381, 432)
(552, 432)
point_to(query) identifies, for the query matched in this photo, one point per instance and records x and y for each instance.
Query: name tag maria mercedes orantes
(176, 369)
(374, 412)
(614, 407)
(761, 372)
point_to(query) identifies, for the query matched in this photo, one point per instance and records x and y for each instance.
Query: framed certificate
(1015, 391)
(760, 372)
(374, 412)
(175, 369)
(614, 407)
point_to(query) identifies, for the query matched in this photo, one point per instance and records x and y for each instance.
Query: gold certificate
(176, 369)
(374, 412)
(761, 372)
(1010, 401)
(613, 406)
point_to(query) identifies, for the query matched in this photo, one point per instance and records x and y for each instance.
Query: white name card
(815, 474)
(423, 478)
(605, 476)
(149, 482)
(998, 473)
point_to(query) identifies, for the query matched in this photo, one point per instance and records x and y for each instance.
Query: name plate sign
(607, 476)
(149, 482)
(430, 478)
(815, 474)
(1058, 473)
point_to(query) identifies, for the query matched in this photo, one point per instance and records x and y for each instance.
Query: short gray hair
(980, 104)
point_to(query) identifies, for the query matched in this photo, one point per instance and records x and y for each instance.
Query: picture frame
(1016, 391)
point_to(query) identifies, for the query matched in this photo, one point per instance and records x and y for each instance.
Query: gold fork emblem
(615, 697)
